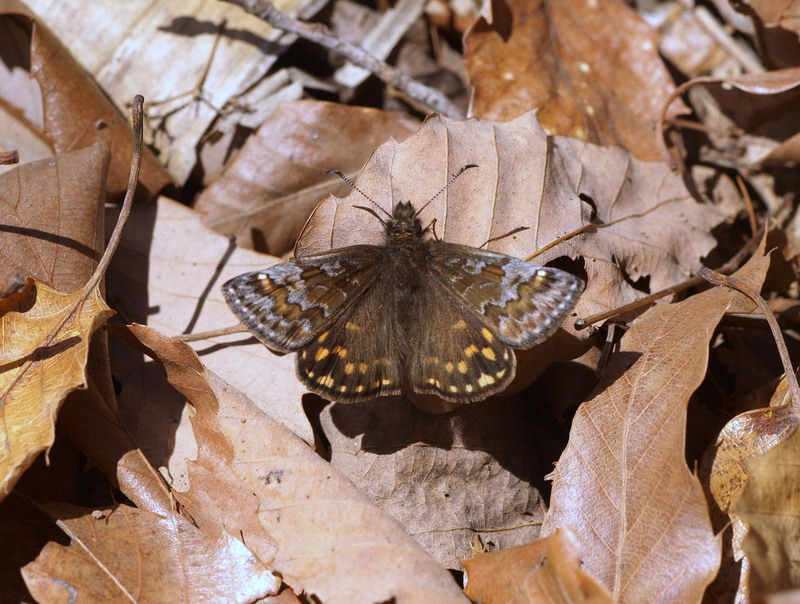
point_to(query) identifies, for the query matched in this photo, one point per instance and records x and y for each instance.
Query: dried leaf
(43, 352)
(622, 483)
(167, 272)
(765, 106)
(236, 48)
(76, 112)
(324, 528)
(268, 191)
(646, 223)
(129, 554)
(591, 69)
(446, 477)
(51, 213)
(770, 505)
(548, 570)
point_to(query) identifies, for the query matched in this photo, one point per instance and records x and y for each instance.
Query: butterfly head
(404, 224)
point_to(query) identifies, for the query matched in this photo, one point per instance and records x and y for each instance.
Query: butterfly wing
(357, 357)
(290, 304)
(521, 304)
(455, 357)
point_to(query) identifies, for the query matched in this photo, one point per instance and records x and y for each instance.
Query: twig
(747, 60)
(733, 283)
(748, 202)
(206, 335)
(9, 157)
(728, 267)
(319, 34)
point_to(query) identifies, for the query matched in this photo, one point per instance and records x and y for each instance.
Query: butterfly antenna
(355, 188)
(444, 188)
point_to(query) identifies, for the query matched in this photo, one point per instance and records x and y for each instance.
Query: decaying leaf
(548, 570)
(329, 538)
(622, 483)
(269, 189)
(126, 554)
(43, 351)
(569, 60)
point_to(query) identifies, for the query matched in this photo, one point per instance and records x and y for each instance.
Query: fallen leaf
(130, 554)
(777, 27)
(622, 483)
(51, 212)
(640, 223)
(446, 477)
(43, 351)
(548, 570)
(329, 537)
(75, 112)
(770, 506)
(236, 48)
(572, 62)
(269, 189)
(167, 273)
(765, 107)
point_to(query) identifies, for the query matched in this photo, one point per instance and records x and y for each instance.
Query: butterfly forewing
(288, 305)
(520, 303)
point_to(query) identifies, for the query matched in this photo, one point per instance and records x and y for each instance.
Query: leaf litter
(626, 172)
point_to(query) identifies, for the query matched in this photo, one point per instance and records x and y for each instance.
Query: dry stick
(748, 202)
(9, 157)
(319, 34)
(113, 243)
(728, 267)
(206, 335)
(722, 280)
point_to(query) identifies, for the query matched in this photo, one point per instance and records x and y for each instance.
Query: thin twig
(733, 283)
(207, 335)
(748, 202)
(319, 34)
(728, 267)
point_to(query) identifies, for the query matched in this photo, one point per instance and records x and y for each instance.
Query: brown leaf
(647, 224)
(446, 477)
(777, 28)
(43, 351)
(268, 191)
(622, 483)
(76, 112)
(548, 570)
(770, 505)
(167, 272)
(128, 554)
(765, 106)
(51, 213)
(323, 527)
(591, 69)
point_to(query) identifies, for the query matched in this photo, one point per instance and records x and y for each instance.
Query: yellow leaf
(44, 340)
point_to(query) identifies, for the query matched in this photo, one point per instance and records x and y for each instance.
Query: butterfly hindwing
(287, 305)
(460, 360)
(521, 304)
(357, 358)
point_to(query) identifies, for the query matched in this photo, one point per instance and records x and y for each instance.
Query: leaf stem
(733, 283)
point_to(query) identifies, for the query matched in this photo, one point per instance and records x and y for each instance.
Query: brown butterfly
(411, 316)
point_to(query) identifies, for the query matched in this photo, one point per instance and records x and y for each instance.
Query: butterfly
(414, 316)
